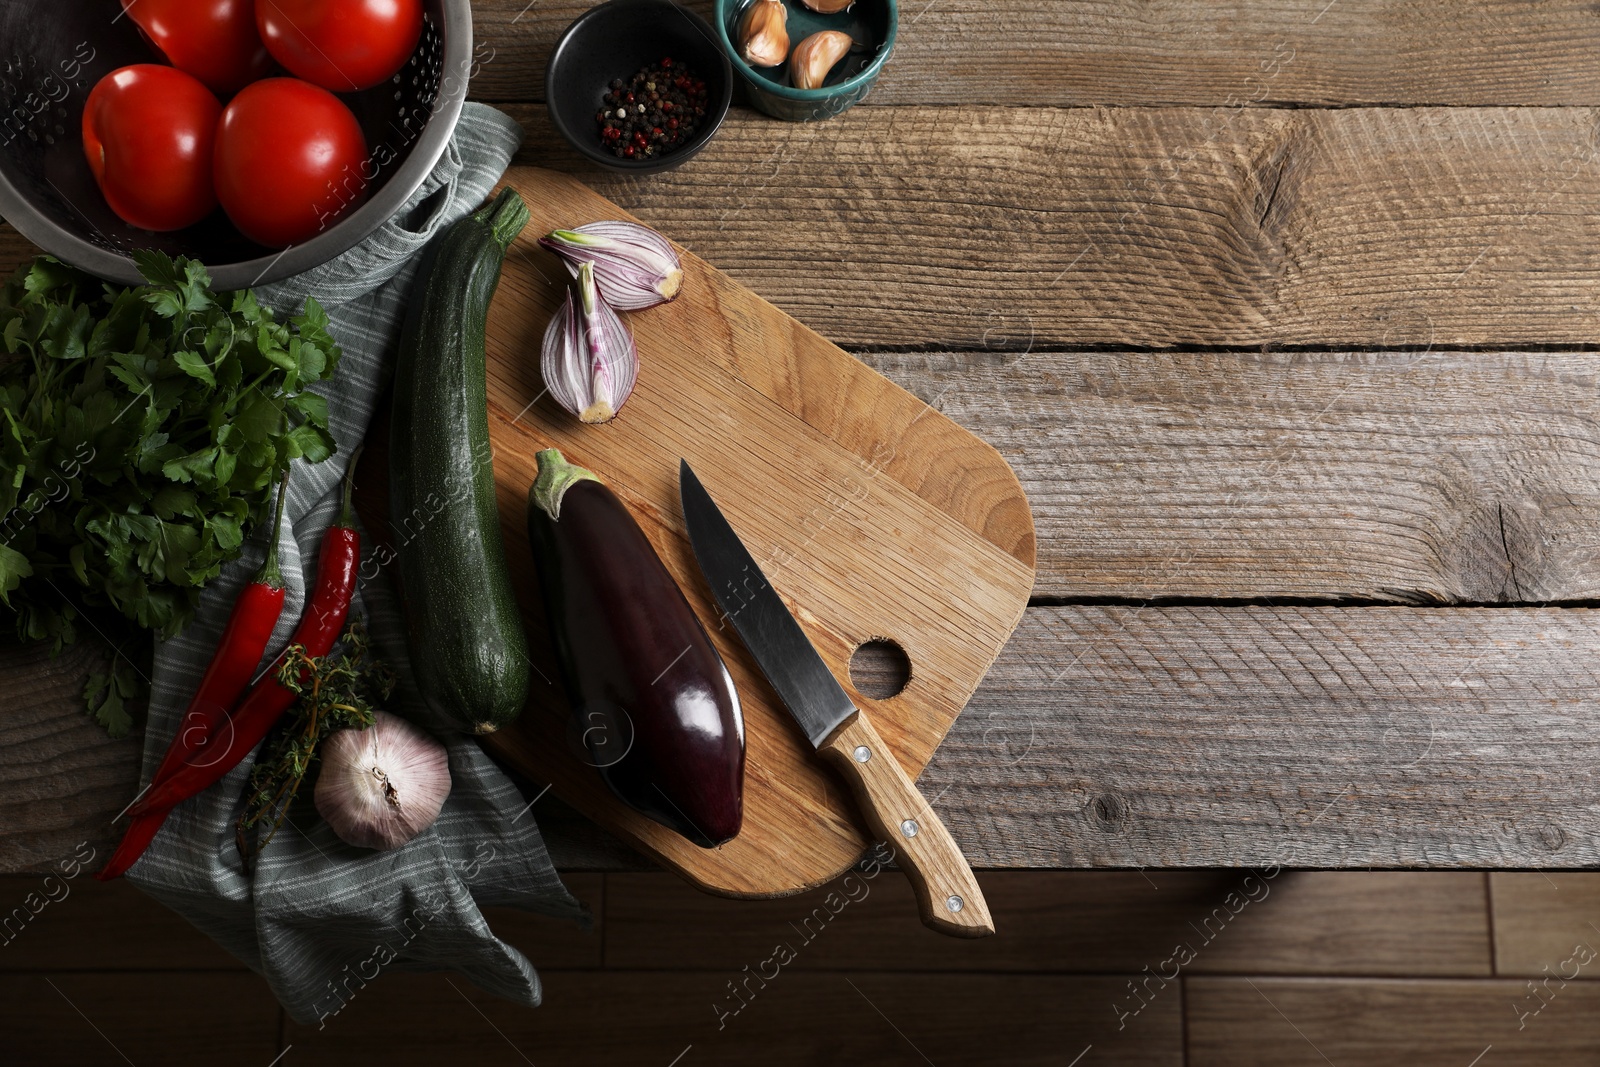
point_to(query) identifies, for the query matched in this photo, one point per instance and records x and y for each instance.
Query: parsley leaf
(142, 431)
(107, 694)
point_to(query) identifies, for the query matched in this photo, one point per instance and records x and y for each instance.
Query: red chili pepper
(337, 563)
(238, 654)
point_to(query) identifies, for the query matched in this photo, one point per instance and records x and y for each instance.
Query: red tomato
(290, 160)
(341, 45)
(215, 40)
(148, 132)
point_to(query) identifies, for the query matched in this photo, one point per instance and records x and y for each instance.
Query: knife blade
(948, 894)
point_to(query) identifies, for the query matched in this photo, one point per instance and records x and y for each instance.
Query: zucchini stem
(505, 216)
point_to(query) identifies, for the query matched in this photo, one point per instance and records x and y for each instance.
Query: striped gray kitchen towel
(320, 919)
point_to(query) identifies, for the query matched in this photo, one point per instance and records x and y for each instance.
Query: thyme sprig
(340, 690)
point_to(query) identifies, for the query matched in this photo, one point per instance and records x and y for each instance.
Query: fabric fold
(320, 919)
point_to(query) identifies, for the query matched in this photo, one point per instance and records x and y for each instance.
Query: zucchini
(468, 650)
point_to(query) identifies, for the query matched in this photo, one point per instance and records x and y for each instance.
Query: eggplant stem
(556, 476)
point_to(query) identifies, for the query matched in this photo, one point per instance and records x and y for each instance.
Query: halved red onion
(589, 358)
(634, 266)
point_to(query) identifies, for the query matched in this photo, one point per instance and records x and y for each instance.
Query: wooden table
(1284, 314)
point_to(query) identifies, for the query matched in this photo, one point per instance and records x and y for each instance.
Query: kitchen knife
(947, 893)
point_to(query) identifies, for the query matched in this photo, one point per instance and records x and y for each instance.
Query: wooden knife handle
(947, 893)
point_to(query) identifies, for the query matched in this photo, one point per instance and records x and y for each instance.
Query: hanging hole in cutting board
(880, 669)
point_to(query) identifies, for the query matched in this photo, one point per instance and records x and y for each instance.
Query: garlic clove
(381, 786)
(589, 359)
(764, 33)
(828, 7)
(634, 266)
(815, 56)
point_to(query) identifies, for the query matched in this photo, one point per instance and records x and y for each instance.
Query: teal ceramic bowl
(872, 23)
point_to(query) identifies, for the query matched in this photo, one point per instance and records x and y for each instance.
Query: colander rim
(344, 235)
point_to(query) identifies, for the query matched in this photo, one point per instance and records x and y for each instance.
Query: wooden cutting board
(872, 514)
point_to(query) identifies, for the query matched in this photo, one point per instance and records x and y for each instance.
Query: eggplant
(652, 699)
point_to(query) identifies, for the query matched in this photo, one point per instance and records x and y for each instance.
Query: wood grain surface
(802, 1020)
(1545, 922)
(123, 1018)
(1429, 477)
(1201, 736)
(868, 510)
(87, 925)
(1076, 954)
(1268, 53)
(54, 922)
(1417, 476)
(1298, 922)
(974, 226)
(60, 775)
(1285, 1022)
(1298, 736)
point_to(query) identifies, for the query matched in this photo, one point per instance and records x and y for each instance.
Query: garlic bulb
(382, 786)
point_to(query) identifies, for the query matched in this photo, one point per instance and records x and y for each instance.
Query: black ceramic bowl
(615, 40)
(53, 53)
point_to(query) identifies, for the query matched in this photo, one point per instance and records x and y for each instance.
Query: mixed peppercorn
(650, 114)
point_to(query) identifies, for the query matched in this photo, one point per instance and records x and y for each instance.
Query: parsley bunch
(141, 431)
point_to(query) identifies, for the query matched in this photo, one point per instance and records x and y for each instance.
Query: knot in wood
(1549, 837)
(1109, 812)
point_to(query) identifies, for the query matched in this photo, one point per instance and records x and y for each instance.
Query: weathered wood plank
(1357, 922)
(1546, 924)
(138, 1018)
(1305, 52)
(973, 226)
(58, 923)
(1198, 737)
(61, 777)
(1330, 737)
(802, 1019)
(1277, 1022)
(76, 923)
(1430, 476)
(1146, 227)
(1347, 922)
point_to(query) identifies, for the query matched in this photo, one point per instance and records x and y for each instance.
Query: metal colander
(53, 52)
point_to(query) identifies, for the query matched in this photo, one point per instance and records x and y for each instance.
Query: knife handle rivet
(954, 903)
(909, 828)
(862, 753)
